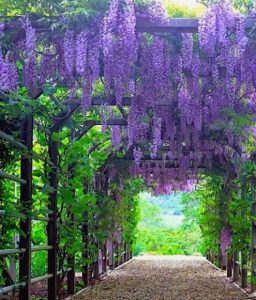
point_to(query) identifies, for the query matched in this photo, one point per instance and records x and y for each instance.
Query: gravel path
(164, 278)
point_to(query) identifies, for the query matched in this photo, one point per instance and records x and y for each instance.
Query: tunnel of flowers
(94, 110)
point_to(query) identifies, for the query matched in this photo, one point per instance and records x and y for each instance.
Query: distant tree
(150, 214)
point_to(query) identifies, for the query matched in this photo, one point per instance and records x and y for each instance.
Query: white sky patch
(188, 3)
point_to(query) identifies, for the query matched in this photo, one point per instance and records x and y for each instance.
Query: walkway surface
(164, 278)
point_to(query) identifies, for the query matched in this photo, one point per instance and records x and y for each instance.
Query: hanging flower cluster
(157, 126)
(225, 238)
(8, 72)
(116, 137)
(164, 179)
(119, 47)
(30, 72)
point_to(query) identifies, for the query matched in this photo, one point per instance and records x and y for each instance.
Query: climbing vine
(186, 104)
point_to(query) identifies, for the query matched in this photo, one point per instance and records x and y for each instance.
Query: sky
(191, 8)
(188, 3)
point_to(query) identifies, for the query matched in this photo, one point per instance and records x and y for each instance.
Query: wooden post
(104, 258)
(253, 259)
(229, 265)
(235, 266)
(253, 246)
(111, 255)
(222, 258)
(85, 254)
(116, 250)
(244, 261)
(125, 252)
(96, 274)
(71, 277)
(52, 224)
(85, 241)
(85, 275)
(210, 256)
(244, 252)
(129, 252)
(26, 204)
(122, 254)
(253, 250)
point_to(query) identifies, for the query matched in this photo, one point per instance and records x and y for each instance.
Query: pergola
(25, 145)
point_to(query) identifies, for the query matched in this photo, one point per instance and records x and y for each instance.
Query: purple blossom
(4, 77)
(47, 68)
(13, 76)
(187, 49)
(87, 93)
(69, 51)
(242, 39)
(30, 74)
(119, 47)
(154, 11)
(81, 52)
(93, 59)
(225, 238)
(157, 140)
(137, 154)
(116, 137)
(213, 28)
(30, 36)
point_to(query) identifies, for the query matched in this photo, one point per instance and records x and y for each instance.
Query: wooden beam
(26, 204)
(12, 177)
(52, 224)
(244, 252)
(253, 242)
(85, 251)
(11, 140)
(110, 101)
(173, 164)
(71, 278)
(59, 120)
(175, 25)
(229, 265)
(236, 266)
(244, 275)
(142, 25)
(87, 125)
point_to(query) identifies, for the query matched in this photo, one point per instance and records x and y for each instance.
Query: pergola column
(52, 224)
(26, 204)
(253, 243)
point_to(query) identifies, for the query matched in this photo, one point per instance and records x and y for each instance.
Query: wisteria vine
(180, 85)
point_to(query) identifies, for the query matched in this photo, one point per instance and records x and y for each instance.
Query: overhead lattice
(179, 93)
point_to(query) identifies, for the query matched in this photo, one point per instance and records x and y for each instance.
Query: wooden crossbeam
(185, 25)
(168, 164)
(142, 25)
(173, 25)
(91, 123)
(111, 101)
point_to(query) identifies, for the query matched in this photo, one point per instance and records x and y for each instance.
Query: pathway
(164, 278)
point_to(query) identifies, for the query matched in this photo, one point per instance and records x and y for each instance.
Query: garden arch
(169, 36)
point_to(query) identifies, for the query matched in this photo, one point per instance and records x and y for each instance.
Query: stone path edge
(250, 296)
(104, 276)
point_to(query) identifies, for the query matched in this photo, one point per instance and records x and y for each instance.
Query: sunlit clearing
(183, 8)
